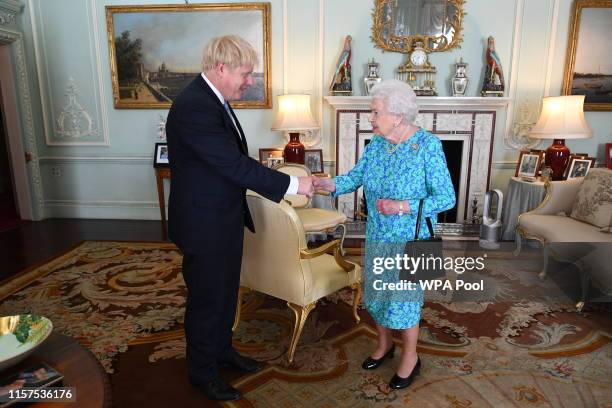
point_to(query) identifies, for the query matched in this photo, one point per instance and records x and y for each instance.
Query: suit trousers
(212, 280)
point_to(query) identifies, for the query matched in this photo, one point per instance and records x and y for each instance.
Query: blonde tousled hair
(231, 50)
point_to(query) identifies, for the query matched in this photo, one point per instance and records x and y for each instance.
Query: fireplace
(466, 128)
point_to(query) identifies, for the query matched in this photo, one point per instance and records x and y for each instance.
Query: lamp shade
(562, 117)
(294, 113)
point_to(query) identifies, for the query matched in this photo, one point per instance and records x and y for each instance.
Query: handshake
(308, 185)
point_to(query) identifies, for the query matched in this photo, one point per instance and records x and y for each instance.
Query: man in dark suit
(211, 171)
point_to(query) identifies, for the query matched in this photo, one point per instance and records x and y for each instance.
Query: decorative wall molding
(526, 117)
(73, 121)
(94, 209)
(6, 18)
(101, 71)
(15, 40)
(96, 160)
(70, 137)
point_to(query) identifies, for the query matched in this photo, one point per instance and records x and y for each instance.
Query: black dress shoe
(398, 382)
(372, 363)
(218, 390)
(242, 363)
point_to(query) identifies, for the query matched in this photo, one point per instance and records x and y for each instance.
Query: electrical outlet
(56, 172)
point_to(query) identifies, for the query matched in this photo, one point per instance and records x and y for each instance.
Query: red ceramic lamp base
(557, 158)
(294, 150)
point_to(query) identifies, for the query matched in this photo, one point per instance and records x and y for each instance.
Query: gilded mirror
(398, 23)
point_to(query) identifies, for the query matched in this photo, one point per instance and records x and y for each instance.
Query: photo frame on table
(542, 159)
(588, 59)
(152, 62)
(528, 164)
(160, 157)
(579, 167)
(609, 155)
(313, 159)
(271, 156)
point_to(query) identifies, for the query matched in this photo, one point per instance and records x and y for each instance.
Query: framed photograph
(270, 152)
(542, 158)
(160, 159)
(588, 64)
(609, 155)
(313, 159)
(579, 167)
(528, 164)
(156, 50)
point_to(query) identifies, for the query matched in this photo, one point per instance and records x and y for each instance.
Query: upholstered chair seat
(314, 220)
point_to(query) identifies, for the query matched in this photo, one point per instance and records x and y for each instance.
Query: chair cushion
(593, 202)
(558, 228)
(319, 219)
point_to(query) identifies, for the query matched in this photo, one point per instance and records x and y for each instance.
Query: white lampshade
(294, 113)
(562, 117)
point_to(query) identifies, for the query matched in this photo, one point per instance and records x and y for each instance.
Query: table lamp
(294, 115)
(562, 117)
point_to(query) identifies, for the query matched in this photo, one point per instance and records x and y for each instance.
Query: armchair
(277, 262)
(314, 220)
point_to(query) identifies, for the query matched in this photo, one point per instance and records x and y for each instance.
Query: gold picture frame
(169, 59)
(385, 15)
(596, 86)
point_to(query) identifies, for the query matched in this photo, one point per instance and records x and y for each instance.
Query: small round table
(80, 368)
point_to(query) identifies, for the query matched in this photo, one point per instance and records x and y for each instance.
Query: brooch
(414, 146)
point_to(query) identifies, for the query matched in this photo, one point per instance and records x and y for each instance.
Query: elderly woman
(401, 165)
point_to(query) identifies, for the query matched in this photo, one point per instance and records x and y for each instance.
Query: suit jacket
(211, 171)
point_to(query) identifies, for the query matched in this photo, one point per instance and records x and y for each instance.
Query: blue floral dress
(416, 169)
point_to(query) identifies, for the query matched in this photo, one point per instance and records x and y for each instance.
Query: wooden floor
(36, 242)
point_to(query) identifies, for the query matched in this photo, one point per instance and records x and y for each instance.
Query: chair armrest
(560, 196)
(326, 249)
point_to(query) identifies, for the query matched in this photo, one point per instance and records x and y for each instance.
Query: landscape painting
(155, 51)
(588, 69)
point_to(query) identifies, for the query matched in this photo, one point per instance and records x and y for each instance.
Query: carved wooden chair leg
(356, 300)
(585, 282)
(241, 292)
(542, 274)
(519, 243)
(301, 314)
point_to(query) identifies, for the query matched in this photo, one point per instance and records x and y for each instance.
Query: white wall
(67, 38)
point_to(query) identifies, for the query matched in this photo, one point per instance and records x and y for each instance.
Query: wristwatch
(401, 209)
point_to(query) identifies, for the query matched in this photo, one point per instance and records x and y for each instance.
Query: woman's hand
(391, 207)
(327, 184)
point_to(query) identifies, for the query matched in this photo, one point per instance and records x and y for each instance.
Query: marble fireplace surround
(469, 119)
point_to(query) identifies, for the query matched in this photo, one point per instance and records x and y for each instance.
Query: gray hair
(231, 50)
(398, 98)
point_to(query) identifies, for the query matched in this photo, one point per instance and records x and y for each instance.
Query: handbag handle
(418, 223)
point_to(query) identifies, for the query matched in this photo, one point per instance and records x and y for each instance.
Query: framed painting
(155, 51)
(588, 64)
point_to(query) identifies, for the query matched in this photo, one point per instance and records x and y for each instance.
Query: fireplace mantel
(470, 120)
(426, 102)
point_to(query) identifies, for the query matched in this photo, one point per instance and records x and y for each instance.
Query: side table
(80, 368)
(522, 196)
(162, 173)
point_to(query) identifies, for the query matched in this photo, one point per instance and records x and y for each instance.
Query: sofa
(573, 224)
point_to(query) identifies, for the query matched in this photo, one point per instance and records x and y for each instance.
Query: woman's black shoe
(372, 363)
(398, 382)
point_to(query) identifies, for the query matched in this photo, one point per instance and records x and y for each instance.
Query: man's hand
(305, 187)
(326, 184)
(390, 207)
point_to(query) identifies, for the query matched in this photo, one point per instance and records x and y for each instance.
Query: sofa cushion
(593, 203)
(558, 228)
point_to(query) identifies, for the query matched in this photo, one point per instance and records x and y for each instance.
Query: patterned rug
(124, 301)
